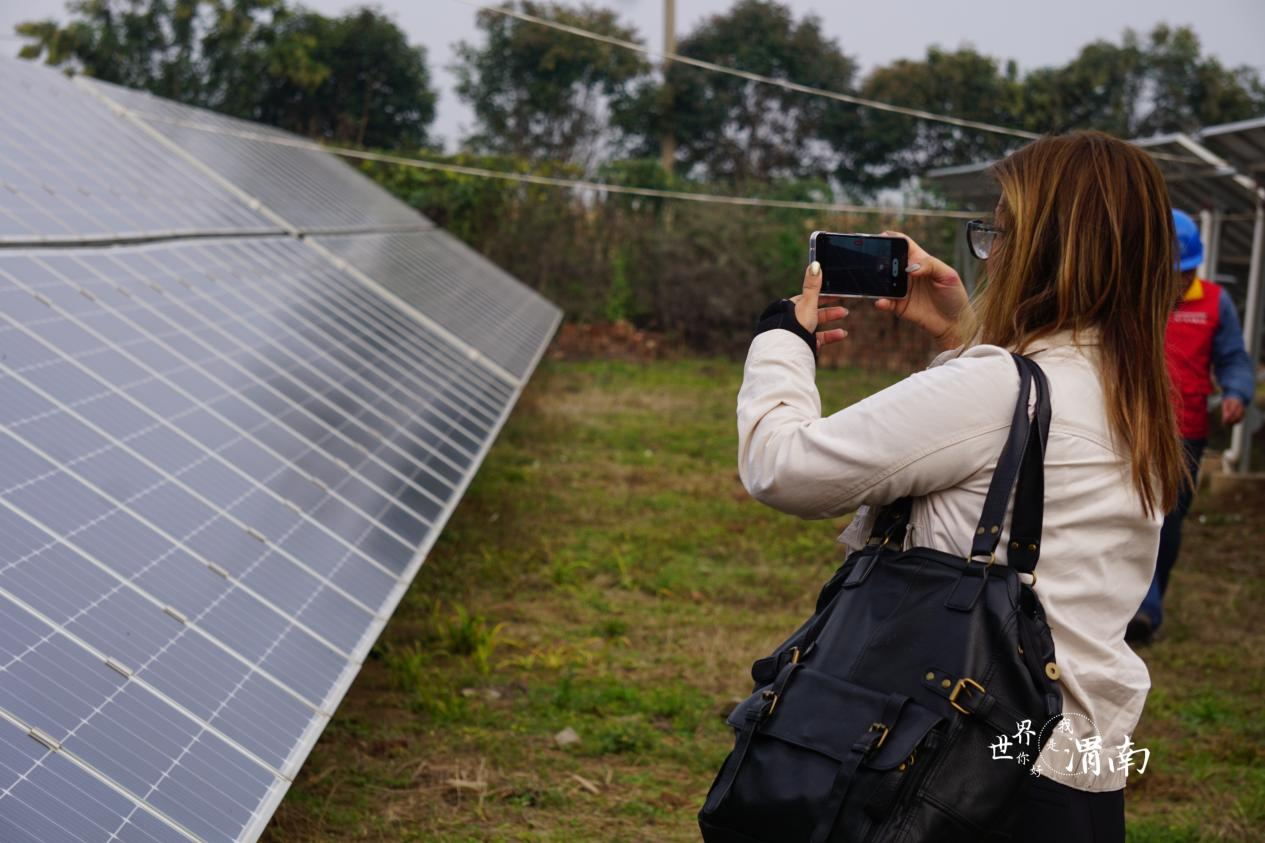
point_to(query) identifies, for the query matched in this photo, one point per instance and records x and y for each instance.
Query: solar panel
(225, 453)
(310, 190)
(72, 170)
(507, 320)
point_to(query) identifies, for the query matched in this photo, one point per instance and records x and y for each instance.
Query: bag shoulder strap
(1025, 522)
(988, 531)
(1020, 468)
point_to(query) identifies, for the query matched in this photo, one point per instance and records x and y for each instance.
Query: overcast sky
(1034, 32)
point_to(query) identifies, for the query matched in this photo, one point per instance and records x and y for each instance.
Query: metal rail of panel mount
(242, 389)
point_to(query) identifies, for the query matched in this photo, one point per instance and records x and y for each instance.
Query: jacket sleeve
(1230, 360)
(928, 432)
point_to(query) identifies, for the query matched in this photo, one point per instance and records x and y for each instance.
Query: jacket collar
(1066, 340)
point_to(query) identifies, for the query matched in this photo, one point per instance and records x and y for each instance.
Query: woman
(1079, 277)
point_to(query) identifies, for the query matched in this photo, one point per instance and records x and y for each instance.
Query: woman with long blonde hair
(1079, 277)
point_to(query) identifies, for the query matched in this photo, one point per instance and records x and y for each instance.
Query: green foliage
(963, 83)
(619, 296)
(351, 79)
(700, 272)
(647, 695)
(542, 94)
(468, 634)
(1139, 87)
(735, 130)
(361, 81)
(413, 671)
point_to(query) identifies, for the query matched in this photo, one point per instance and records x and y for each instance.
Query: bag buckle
(985, 562)
(879, 727)
(957, 689)
(773, 696)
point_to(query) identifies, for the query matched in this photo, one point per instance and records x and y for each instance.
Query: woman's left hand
(810, 313)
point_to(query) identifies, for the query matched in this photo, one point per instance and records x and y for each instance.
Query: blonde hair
(1088, 243)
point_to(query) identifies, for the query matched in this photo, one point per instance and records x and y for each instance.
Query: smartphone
(860, 265)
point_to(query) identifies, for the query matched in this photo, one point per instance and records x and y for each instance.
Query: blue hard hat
(1190, 247)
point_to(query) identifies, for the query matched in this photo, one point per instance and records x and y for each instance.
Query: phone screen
(861, 265)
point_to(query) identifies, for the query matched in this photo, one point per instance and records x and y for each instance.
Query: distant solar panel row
(222, 458)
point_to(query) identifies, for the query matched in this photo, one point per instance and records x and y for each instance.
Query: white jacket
(937, 435)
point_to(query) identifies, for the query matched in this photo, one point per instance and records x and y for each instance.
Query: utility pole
(667, 142)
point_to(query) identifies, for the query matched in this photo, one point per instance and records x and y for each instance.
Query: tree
(544, 94)
(372, 88)
(734, 129)
(351, 79)
(1099, 89)
(963, 83)
(1141, 87)
(1186, 90)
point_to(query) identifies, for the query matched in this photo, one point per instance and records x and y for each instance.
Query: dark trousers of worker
(1055, 813)
(1171, 536)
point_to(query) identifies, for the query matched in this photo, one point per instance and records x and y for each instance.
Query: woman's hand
(809, 314)
(937, 300)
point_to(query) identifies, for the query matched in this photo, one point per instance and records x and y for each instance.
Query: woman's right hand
(937, 300)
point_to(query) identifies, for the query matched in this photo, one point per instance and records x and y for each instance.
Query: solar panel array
(226, 445)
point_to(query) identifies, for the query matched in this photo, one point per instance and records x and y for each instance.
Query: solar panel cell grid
(45, 797)
(148, 458)
(310, 190)
(223, 454)
(69, 169)
(126, 732)
(500, 316)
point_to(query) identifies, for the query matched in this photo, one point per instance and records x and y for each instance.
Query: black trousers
(1055, 813)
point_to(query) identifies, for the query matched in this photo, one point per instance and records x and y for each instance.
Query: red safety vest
(1188, 350)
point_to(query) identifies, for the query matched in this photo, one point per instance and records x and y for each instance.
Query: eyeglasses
(981, 236)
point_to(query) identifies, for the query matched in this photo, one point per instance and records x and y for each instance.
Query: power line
(756, 77)
(553, 181)
(782, 83)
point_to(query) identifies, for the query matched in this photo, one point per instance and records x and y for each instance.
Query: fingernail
(814, 269)
(913, 267)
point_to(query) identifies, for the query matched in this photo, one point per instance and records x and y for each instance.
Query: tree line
(549, 102)
(545, 95)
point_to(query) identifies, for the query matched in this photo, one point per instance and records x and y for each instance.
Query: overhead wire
(554, 181)
(754, 77)
(784, 84)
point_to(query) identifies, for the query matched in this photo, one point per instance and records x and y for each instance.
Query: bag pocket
(812, 748)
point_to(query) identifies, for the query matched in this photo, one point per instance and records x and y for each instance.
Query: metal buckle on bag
(957, 689)
(972, 558)
(879, 727)
(770, 695)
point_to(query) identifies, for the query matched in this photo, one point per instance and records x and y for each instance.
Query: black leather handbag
(874, 720)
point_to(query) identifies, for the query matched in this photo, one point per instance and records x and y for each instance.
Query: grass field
(607, 573)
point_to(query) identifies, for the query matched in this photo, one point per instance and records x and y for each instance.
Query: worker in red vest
(1203, 336)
